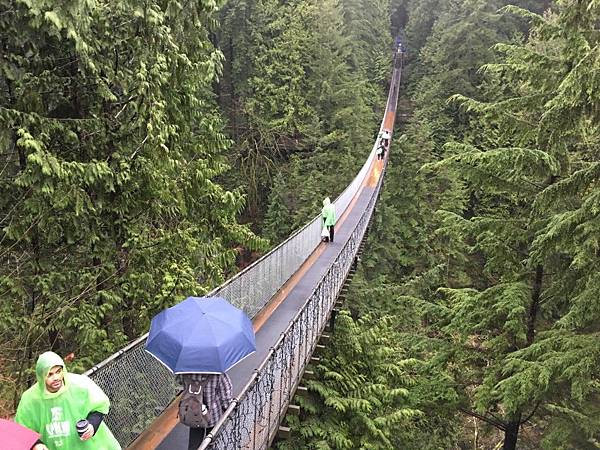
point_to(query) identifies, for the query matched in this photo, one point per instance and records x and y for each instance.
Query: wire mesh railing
(252, 421)
(140, 388)
(133, 374)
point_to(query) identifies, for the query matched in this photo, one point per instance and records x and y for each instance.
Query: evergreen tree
(363, 381)
(277, 219)
(299, 98)
(111, 143)
(522, 331)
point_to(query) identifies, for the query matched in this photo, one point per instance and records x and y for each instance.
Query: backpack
(193, 411)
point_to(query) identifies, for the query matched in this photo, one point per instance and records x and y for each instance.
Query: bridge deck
(283, 309)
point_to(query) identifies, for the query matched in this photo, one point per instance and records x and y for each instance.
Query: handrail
(250, 421)
(347, 258)
(131, 369)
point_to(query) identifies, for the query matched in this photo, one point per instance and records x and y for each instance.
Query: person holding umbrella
(65, 409)
(199, 340)
(204, 400)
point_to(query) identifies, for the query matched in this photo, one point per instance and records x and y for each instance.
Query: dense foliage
(300, 89)
(360, 396)
(137, 136)
(534, 158)
(111, 145)
(496, 290)
(120, 123)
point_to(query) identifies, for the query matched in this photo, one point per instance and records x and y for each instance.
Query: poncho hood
(45, 362)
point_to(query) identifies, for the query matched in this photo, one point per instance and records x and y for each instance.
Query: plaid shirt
(216, 393)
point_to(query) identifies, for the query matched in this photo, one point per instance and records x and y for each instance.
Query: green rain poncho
(54, 415)
(328, 212)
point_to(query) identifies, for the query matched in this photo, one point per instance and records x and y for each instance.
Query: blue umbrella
(201, 335)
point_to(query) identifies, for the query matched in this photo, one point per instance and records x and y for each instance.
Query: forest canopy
(199, 134)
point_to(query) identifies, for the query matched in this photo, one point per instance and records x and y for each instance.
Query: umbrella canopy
(201, 335)
(15, 436)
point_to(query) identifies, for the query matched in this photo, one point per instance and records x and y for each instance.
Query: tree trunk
(511, 433)
(535, 302)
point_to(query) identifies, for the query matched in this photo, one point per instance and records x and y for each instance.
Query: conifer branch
(496, 423)
(538, 403)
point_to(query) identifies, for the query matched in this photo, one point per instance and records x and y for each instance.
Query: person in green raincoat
(53, 406)
(328, 214)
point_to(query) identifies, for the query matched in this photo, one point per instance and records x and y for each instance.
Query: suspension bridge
(292, 294)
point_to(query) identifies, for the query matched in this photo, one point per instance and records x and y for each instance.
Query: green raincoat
(54, 415)
(328, 212)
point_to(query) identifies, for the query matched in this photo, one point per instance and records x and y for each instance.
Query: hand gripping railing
(252, 420)
(140, 388)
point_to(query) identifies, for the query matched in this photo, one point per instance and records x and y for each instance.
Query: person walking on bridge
(66, 409)
(204, 400)
(386, 135)
(199, 340)
(328, 214)
(380, 151)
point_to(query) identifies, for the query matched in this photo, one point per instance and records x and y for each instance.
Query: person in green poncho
(58, 401)
(328, 215)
